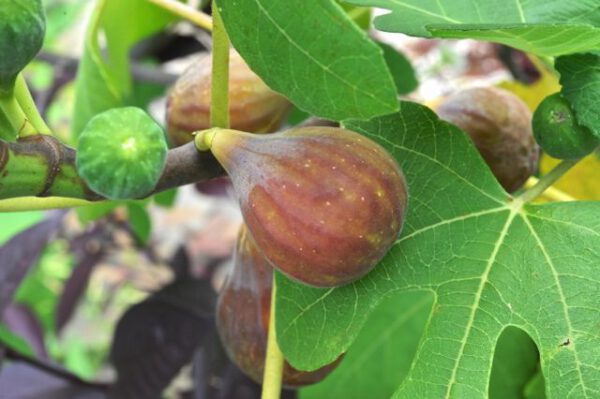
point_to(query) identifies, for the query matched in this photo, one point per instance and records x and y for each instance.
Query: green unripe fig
(556, 130)
(323, 204)
(243, 312)
(121, 153)
(22, 29)
(499, 124)
(253, 106)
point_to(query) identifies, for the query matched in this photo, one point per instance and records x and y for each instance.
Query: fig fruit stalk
(323, 204)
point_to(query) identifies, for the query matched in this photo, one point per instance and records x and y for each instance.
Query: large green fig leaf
(313, 54)
(105, 82)
(580, 80)
(490, 261)
(545, 27)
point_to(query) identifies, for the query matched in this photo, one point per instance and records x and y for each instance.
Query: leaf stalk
(273, 373)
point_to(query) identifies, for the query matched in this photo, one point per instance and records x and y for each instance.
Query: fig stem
(552, 193)
(547, 180)
(219, 103)
(271, 388)
(18, 120)
(25, 100)
(22, 204)
(196, 17)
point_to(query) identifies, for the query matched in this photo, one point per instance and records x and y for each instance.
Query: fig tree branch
(41, 166)
(548, 180)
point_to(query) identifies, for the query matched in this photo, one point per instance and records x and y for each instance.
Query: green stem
(196, 17)
(219, 103)
(548, 180)
(22, 204)
(21, 125)
(27, 103)
(271, 388)
(42, 166)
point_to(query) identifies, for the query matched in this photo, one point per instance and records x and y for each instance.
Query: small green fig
(121, 153)
(556, 130)
(22, 30)
(499, 124)
(243, 311)
(324, 204)
(253, 106)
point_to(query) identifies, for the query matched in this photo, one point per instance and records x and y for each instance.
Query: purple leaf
(21, 252)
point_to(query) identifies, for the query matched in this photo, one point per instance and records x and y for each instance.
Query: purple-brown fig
(499, 124)
(323, 204)
(253, 106)
(243, 311)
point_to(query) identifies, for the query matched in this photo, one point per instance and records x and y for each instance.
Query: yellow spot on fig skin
(341, 189)
(327, 203)
(362, 199)
(379, 193)
(322, 221)
(306, 165)
(333, 167)
(129, 145)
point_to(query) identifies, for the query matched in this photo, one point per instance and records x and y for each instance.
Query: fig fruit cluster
(243, 312)
(499, 124)
(556, 130)
(323, 204)
(253, 106)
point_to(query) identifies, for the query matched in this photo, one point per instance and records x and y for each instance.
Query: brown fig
(324, 204)
(243, 311)
(253, 107)
(499, 124)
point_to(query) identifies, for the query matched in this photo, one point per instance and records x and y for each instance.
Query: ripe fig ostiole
(243, 311)
(324, 204)
(556, 130)
(253, 106)
(499, 124)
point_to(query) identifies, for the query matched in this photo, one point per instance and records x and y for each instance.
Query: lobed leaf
(546, 27)
(316, 57)
(489, 260)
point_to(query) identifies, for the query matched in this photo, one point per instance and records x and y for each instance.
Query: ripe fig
(22, 30)
(324, 204)
(499, 124)
(253, 107)
(243, 311)
(556, 130)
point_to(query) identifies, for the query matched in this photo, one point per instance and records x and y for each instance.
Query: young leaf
(580, 78)
(317, 58)
(539, 26)
(103, 83)
(490, 260)
(402, 71)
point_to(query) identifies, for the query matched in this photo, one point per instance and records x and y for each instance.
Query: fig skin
(324, 204)
(243, 311)
(253, 106)
(556, 130)
(499, 125)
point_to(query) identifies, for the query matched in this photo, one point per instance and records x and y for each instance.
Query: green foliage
(317, 58)
(105, 82)
(402, 71)
(15, 342)
(490, 261)
(22, 28)
(536, 26)
(556, 130)
(140, 222)
(121, 153)
(580, 80)
(13, 223)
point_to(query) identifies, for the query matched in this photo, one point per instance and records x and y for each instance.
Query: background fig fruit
(243, 311)
(22, 30)
(499, 124)
(324, 204)
(556, 130)
(253, 106)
